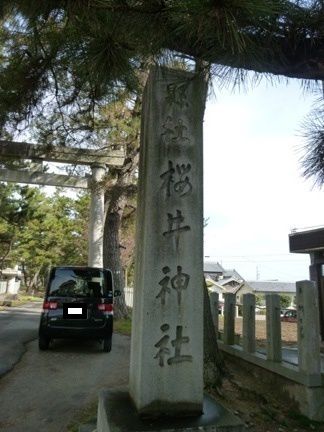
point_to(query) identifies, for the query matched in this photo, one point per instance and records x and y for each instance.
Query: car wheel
(106, 345)
(43, 342)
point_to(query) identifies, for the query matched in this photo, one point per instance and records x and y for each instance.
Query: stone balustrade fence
(308, 367)
(308, 343)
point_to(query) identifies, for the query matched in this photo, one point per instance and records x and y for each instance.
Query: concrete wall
(302, 378)
(297, 398)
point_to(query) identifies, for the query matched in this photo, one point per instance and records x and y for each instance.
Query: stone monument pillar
(97, 213)
(166, 371)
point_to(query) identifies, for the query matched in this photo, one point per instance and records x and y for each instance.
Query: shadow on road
(75, 346)
(20, 312)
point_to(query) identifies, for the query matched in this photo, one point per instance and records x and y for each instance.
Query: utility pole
(257, 273)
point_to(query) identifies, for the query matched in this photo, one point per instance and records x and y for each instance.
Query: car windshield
(67, 282)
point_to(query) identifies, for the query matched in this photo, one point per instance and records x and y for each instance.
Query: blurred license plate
(74, 311)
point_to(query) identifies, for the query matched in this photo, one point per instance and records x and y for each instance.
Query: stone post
(229, 318)
(97, 213)
(213, 298)
(273, 327)
(11, 284)
(166, 367)
(249, 322)
(309, 360)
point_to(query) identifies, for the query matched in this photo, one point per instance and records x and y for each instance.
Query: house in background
(222, 281)
(274, 287)
(230, 281)
(10, 281)
(216, 272)
(220, 290)
(232, 274)
(213, 270)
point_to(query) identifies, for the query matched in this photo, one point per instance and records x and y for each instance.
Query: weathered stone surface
(117, 413)
(214, 299)
(88, 428)
(81, 156)
(40, 178)
(97, 213)
(310, 400)
(309, 360)
(229, 318)
(249, 322)
(273, 327)
(166, 371)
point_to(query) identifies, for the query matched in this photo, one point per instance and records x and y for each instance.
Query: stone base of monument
(117, 413)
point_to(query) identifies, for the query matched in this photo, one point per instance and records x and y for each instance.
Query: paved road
(18, 325)
(46, 390)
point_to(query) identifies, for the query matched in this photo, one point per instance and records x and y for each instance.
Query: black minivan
(78, 304)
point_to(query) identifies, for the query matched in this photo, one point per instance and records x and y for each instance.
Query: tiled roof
(213, 267)
(214, 286)
(232, 274)
(227, 281)
(272, 286)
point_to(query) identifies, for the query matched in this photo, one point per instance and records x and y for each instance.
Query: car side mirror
(117, 293)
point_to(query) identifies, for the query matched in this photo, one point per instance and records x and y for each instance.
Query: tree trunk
(214, 367)
(33, 282)
(111, 259)
(213, 360)
(6, 253)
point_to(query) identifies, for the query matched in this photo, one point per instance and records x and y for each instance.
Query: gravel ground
(46, 390)
(288, 331)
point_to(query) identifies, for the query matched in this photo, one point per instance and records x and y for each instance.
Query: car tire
(43, 342)
(106, 345)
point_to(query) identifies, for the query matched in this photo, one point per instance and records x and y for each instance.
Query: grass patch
(30, 298)
(20, 300)
(123, 326)
(88, 415)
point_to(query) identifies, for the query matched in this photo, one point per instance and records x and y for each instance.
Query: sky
(254, 192)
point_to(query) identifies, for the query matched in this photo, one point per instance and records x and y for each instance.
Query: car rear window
(65, 282)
